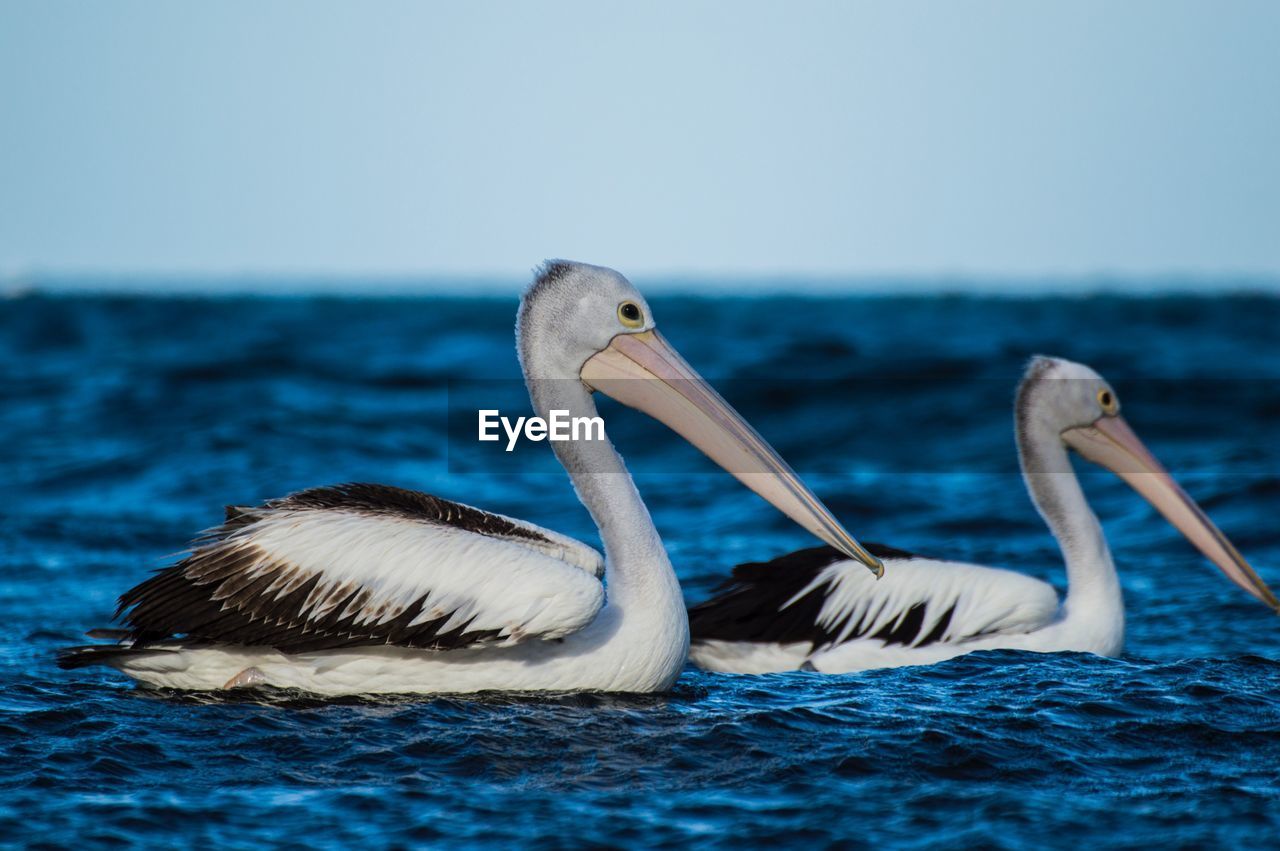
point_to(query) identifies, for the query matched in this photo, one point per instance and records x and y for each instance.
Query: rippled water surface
(128, 423)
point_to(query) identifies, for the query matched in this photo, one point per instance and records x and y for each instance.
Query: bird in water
(364, 588)
(816, 610)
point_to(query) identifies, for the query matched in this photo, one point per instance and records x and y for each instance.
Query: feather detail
(360, 565)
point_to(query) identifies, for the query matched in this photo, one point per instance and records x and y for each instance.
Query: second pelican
(816, 610)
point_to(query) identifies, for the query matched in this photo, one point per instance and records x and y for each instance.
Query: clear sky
(1016, 139)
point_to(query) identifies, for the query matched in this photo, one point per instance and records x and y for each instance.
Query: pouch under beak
(1110, 442)
(644, 372)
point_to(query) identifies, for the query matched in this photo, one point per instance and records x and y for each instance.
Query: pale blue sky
(931, 139)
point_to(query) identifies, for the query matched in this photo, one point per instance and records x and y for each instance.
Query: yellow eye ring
(1108, 401)
(630, 314)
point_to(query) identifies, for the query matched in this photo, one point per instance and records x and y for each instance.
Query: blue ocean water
(127, 423)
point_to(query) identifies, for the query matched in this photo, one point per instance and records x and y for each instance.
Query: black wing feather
(751, 607)
(211, 597)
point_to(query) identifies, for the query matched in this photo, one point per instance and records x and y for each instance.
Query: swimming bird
(815, 610)
(373, 589)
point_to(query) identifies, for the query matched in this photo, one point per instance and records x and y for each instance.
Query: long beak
(1111, 443)
(642, 371)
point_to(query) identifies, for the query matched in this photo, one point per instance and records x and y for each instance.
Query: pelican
(814, 610)
(373, 589)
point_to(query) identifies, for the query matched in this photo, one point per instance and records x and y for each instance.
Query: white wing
(359, 565)
(819, 597)
(923, 601)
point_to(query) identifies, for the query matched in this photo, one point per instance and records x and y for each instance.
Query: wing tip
(86, 655)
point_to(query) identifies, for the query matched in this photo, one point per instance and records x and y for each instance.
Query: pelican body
(366, 588)
(812, 610)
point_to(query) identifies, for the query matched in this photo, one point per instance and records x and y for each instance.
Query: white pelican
(368, 588)
(814, 610)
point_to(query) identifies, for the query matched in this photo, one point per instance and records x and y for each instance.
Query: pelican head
(589, 323)
(1081, 407)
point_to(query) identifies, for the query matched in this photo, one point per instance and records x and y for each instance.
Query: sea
(127, 423)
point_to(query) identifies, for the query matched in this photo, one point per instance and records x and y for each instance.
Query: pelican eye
(1107, 399)
(630, 314)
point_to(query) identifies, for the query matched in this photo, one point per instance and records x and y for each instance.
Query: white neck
(1094, 602)
(641, 585)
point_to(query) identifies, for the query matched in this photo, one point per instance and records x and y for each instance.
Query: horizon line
(756, 283)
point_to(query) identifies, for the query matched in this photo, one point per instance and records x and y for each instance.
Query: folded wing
(820, 597)
(360, 565)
